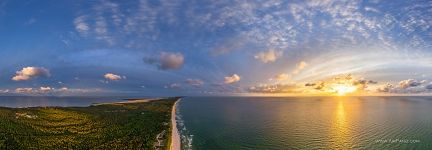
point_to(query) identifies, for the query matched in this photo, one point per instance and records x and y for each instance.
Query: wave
(186, 138)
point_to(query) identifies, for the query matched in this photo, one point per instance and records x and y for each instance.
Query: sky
(215, 47)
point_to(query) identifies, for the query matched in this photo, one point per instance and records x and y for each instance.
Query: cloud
(195, 82)
(385, 88)
(317, 86)
(30, 21)
(4, 91)
(173, 86)
(282, 77)
(300, 66)
(30, 72)
(80, 25)
(274, 22)
(228, 45)
(409, 83)
(64, 89)
(310, 84)
(167, 61)
(362, 83)
(29, 90)
(24, 90)
(344, 80)
(406, 86)
(45, 89)
(429, 86)
(268, 56)
(274, 88)
(232, 79)
(320, 85)
(113, 77)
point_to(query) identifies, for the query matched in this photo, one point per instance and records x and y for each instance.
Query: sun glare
(342, 90)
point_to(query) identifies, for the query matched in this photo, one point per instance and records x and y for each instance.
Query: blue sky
(194, 47)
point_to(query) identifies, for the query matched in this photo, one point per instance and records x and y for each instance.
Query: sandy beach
(175, 137)
(127, 102)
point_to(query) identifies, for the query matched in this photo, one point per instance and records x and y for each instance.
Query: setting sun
(344, 89)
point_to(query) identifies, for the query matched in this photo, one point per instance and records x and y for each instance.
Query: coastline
(127, 102)
(175, 137)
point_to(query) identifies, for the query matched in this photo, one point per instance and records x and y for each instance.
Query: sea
(285, 123)
(280, 123)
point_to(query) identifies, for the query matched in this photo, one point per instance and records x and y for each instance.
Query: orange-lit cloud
(341, 85)
(30, 72)
(113, 77)
(232, 79)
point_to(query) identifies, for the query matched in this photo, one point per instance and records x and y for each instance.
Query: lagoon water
(306, 123)
(34, 101)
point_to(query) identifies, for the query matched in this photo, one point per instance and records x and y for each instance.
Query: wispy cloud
(195, 82)
(268, 56)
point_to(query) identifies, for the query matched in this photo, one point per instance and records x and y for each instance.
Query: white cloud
(30, 72)
(24, 90)
(167, 61)
(64, 89)
(268, 56)
(4, 91)
(45, 89)
(274, 88)
(232, 79)
(113, 77)
(293, 23)
(80, 25)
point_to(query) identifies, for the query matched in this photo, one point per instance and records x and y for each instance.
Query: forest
(107, 126)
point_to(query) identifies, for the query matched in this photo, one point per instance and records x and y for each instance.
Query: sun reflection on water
(340, 128)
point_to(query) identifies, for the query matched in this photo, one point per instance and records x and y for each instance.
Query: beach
(175, 137)
(130, 101)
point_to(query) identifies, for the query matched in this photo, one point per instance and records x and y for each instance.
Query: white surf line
(175, 137)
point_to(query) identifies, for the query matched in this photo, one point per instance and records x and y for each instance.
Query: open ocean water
(219, 123)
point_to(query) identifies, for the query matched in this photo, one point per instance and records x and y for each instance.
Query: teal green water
(218, 123)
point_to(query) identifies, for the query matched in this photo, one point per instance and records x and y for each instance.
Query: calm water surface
(33, 101)
(306, 123)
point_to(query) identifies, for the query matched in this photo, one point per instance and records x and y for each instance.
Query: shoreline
(127, 102)
(175, 137)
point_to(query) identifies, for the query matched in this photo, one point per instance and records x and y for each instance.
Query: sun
(342, 90)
